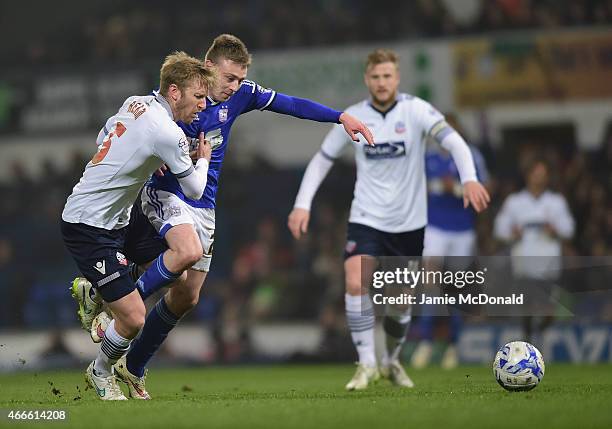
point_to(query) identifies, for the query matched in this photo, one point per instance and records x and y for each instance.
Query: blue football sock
(426, 326)
(159, 323)
(455, 325)
(156, 277)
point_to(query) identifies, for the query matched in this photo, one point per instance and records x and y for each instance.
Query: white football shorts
(165, 210)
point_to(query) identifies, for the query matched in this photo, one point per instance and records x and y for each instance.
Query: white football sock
(360, 319)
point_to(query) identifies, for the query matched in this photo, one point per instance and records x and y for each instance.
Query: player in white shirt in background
(132, 145)
(535, 222)
(389, 208)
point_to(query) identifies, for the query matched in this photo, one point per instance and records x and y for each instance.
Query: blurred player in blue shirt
(450, 232)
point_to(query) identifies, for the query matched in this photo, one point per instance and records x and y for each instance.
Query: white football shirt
(132, 145)
(530, 215)
(390, 192)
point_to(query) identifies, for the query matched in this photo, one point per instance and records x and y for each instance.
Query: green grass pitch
(313, 397)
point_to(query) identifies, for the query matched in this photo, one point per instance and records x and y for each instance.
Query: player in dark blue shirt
(187, 226)
(450, 232)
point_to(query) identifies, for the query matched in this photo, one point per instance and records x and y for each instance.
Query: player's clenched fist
(204, 150)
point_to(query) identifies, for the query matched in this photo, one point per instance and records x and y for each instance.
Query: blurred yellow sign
(565, 66)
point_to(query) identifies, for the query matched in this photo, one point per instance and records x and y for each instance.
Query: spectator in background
(535, 222)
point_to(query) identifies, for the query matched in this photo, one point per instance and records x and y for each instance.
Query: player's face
(190, 102)
(538, 177)
(382, 81)
(229, 77)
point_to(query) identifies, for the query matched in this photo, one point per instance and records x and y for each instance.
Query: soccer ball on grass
(518, 366)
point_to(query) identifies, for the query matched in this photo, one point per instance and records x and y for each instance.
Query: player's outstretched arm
(298, 222)
(352, 126)
(307, 109)
(476, 195)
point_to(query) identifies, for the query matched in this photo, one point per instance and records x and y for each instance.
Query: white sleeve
(172, 147)
(562, 219)
(335, 141)
(193, 181)
(317, 169)
(462, 155)
(319, 166)
(433, 124)
(426, 116)
(502, 229)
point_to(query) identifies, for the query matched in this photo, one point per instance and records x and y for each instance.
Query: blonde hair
(182, 70)
(380, 56)
(229, 47)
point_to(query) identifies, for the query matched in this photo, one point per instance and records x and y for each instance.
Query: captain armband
(441, 130)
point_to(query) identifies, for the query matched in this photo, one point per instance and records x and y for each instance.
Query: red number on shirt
(116, 131)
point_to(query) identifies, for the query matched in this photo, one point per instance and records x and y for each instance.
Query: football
(518, 366)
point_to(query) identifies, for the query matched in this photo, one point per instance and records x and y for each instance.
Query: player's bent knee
(191, 254)
(129, 325)
(354, 288)
(135, 321)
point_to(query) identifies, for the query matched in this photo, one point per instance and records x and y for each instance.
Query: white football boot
(99, 325)
(450, 359)
(422, 355)
(135, 384)
(396, 374)
(106, 388)
(88, 299)
(363, 376)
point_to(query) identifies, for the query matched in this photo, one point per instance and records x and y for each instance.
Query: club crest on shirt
(184, 144)
(400, 127)
(121, 259)
(223, 114)
(174, 211)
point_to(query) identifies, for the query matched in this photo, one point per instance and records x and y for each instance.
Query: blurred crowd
(128, 32)
(259, 273)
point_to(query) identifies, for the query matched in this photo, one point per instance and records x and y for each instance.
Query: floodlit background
(524, 78)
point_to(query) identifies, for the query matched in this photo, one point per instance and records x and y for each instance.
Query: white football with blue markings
(518, 366)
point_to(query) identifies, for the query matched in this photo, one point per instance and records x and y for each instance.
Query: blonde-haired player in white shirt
(132, 145)
(389, 209)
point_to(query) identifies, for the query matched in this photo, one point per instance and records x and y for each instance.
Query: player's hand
(352, 126)
(298, 222)
(476, 195)
(160, 171)
(204, 150)
(550, 230)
